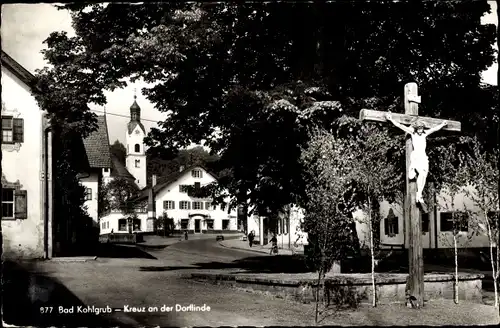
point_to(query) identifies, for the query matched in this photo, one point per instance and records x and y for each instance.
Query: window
(137, 224)
(425, 222)
(137, 163)
(8, 203)
(210, 224)
(106, 169)
(137, 148)
(12, 129)
(122, 225)
(225, 224)
(197, 205)
(184, 205)
(197, 174)
(207, 205)
(168, 205)
(197, 185)
(107, 225)
(454, 221)
(183, 188)
(184, 223)
(391, 224)
(88, 194)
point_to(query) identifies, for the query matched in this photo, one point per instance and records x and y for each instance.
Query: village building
(27, 209)
(98, 154)
(171, 198)
(437, 226)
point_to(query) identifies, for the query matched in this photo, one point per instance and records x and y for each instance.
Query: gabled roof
(168, 180)
(18, 70)
(131, 126)
(118, 170)
(97, 145)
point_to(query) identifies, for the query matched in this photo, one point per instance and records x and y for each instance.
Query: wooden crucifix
(417, 166)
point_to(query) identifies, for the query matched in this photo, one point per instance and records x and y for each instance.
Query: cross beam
(413, 228)
(379, 116)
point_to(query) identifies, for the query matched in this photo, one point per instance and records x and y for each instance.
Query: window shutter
(189, 205)
(173, 205)
(18, 133)
(165, 204)
(201, 174)
(386, 226)
(21, 204)
(396, 224)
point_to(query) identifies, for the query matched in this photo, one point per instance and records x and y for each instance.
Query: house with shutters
(99, 157)
(171, 197)
(27, 207)
(437, 224)
(104, 167)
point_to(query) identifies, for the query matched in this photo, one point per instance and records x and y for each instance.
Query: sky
(25, 26)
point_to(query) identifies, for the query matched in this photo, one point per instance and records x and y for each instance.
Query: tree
(165, 225)
(483, 176)
(71, 216)
(453, 184)
(119, 193)
(331, 195)
(243, 79)
(182, 158)
(119, 151)
(378, 178)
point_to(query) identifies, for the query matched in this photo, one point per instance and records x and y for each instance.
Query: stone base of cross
(412, 213)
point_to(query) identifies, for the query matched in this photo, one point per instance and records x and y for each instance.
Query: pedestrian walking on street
(250, 238)
(185, 235)
(274, 245)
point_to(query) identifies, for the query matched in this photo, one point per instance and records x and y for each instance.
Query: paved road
(152, 277)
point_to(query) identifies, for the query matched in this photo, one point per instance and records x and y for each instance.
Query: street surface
(135, 280)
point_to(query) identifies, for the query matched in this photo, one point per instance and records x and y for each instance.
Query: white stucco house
(99, 157)
(287, 228)
(196, 215)
(27, 207)
(437, 225)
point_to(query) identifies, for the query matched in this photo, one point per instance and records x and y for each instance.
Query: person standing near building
(251, 236)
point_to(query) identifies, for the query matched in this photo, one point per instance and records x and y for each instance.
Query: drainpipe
(46, 189)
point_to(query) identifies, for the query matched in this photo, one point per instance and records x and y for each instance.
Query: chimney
(181, 168)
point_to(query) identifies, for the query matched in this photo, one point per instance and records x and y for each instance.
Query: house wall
(110, 223)
(172, 193)
(297, 236)
(436, 238)
(92, 182)
(23, 238)
(138, 172)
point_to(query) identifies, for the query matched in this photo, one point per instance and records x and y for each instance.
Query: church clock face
(137, 132)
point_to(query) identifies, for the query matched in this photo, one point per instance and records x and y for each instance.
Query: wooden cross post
(411, 210)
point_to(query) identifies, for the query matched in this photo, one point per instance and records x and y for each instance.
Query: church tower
(136, 154)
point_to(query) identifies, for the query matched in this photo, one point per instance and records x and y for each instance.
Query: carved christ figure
(419, 162)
